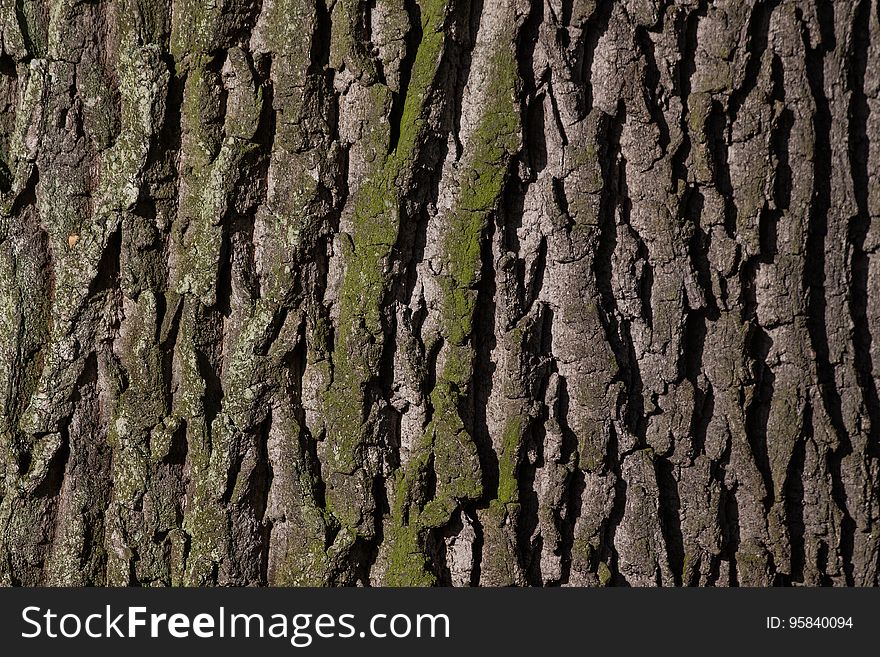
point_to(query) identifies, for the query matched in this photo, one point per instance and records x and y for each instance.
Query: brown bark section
(526, 292)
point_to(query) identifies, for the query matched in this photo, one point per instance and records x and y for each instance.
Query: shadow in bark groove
(793, 497)
(758, 411)
(670, 518)
(860, 224)
(413, 39)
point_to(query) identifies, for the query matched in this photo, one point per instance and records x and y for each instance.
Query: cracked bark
(411, 292)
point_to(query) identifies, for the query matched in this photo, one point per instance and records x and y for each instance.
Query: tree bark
(457, 292)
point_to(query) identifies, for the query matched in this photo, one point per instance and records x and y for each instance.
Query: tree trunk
(462, 292)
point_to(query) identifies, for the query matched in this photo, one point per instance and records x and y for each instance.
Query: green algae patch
(376, 223)
(449, 447)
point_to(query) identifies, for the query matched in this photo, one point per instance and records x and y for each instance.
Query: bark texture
(411, 292)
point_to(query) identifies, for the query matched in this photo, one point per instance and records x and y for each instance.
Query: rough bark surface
(463, 292)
